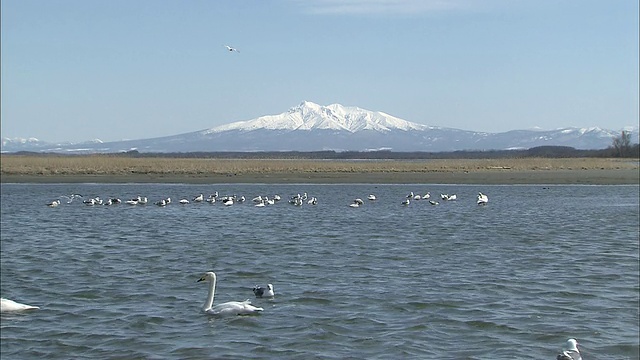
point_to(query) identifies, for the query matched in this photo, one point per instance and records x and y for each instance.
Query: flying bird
(231, 49)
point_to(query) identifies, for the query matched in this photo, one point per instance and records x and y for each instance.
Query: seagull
(231, 49)
(570, 351)
(371, 197)
(54, 203)
(259, 291)
(356, 203)
(71, 197)
(406, 202)
(482, 199)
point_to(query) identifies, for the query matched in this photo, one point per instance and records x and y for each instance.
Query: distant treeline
(540, 151)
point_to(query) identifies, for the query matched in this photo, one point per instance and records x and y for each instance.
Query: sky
(77, 70)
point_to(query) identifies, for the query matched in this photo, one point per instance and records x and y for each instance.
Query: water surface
(513, 279)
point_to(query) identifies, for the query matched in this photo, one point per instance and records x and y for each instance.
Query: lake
(512, 279)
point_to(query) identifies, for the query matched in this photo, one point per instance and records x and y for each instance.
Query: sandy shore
(16, 169)
(588, 177)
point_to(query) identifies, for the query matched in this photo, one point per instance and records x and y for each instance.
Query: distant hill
(312, 127)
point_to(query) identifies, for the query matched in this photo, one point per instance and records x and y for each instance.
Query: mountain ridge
(312, 127)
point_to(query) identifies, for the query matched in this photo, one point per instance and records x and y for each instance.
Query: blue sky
(75, 70)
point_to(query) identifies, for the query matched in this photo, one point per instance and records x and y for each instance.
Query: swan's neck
(211, 294)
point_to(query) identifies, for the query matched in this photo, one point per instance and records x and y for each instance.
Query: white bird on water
(259, 291)
(231, 49)
(570, 351)
(228, 308)
(71, 197)
(482, 199)
(7, 305)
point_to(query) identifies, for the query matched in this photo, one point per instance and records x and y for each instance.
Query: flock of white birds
(243, 307)
(258, 201)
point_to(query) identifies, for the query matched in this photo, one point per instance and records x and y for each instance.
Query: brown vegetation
(52, 165)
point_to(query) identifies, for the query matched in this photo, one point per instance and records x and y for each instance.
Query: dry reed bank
(105, 168)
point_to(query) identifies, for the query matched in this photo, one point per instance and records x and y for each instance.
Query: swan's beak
(201, 279)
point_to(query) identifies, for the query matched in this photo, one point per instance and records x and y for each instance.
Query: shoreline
(488, 177)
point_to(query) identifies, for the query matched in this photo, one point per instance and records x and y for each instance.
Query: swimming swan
(228, 308)
(7, 305)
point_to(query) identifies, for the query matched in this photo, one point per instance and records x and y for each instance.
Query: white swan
(482, 199)
(259, 291)
(7, 305)
(570, 351)
(228, 308)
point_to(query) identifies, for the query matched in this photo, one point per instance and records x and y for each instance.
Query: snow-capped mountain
(312, 127)
(310, 116)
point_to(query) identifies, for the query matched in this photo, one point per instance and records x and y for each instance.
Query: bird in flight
(231, 49)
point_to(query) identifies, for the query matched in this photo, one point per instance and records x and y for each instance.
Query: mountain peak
(311, 116)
